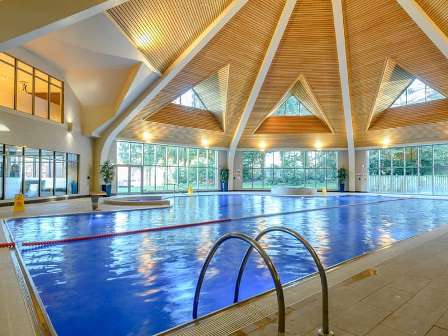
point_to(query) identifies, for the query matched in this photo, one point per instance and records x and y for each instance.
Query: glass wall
(149, 167)
(72, 173)
(313, 169)
(60, 173)
(13, 171)
(32, 169)
(29, 90)
(413, 170)
(37, 172)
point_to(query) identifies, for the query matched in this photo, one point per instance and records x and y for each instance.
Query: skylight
(292, 107)
(190, 99)
(417, 92)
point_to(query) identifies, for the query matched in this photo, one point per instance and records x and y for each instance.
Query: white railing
(409, 184)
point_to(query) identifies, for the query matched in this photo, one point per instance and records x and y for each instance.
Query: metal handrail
(325, 331)
(267, 260)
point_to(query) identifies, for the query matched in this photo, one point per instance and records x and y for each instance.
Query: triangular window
(292, 107)
(417, 92)
(190, 99)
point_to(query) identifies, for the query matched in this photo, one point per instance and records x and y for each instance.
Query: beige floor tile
(411, 284)
(303, 319)
(344, 297)
(360, 318)
(337, 332)
(440, 283)
(382, 330)
(388, 298)
(436, 331)
(443, 321)
(418, 315)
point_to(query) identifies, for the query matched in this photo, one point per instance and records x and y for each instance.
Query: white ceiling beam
(23, 21)
(109, 135)
(261, 76)
(338, 20)
(418, 15)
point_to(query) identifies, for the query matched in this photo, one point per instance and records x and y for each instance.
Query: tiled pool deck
(400, 290)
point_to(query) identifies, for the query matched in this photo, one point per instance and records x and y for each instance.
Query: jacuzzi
(137, 200)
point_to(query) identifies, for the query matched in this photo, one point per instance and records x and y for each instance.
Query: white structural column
(265, 65)
(103, 144)
(338, 19)
(23, 21)
(425, 23)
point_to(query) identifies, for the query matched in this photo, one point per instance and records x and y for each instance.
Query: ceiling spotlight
(205, 143)
(318, 145)
(262, 146)
(146, 135)
(386, 142)
(142, 41)
(4, 128)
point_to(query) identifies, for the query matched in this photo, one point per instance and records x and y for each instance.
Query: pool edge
(35, 309)
(334, 277)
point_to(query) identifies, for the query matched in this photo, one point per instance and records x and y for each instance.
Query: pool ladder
(255, 245)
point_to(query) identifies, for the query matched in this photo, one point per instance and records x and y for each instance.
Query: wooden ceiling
(385, 50)
(241, 45)
(437, 10)
(393, 82)
(377, 31)
(162, 30)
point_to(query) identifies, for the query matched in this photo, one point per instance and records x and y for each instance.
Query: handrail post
(325, 330)
(267, 260)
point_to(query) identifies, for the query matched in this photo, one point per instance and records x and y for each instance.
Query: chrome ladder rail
(267, 260)
(325, 331)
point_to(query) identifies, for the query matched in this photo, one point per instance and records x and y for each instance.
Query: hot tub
(137, 200)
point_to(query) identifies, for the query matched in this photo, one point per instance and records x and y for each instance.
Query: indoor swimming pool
(144, 283)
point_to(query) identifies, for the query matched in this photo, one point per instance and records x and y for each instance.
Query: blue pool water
(144, 283)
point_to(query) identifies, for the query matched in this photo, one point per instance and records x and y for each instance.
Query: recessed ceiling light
(3, 127)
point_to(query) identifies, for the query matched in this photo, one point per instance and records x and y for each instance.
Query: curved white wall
(27, 130)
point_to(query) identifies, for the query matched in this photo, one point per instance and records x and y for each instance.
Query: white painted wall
(27, 130)
(362, 170)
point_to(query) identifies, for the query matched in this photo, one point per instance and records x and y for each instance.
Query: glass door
(136, 179)
(122, 179)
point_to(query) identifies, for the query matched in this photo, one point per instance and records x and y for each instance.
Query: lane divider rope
(177, 226)
(123, 233)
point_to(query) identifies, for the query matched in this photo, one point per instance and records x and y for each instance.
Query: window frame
(52, 81)
(185, 167)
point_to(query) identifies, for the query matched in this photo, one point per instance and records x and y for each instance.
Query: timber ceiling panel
(377, 30)
(163, 29)
(185, 116)
(164, 133)
(213, 93)
(417, 114)
(308, 49)
(394, 81)
(292, 125)
(437, 10)
(241, 44)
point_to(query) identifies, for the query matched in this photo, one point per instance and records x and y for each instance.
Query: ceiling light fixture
(143, 41)
(262, 146)
(4, 128)
(146, 136)
(205, 143)
(318, 145)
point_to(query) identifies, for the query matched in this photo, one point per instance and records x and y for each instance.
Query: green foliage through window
(292, 107)
(151, 167)
(313, 169)
(413, 170)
